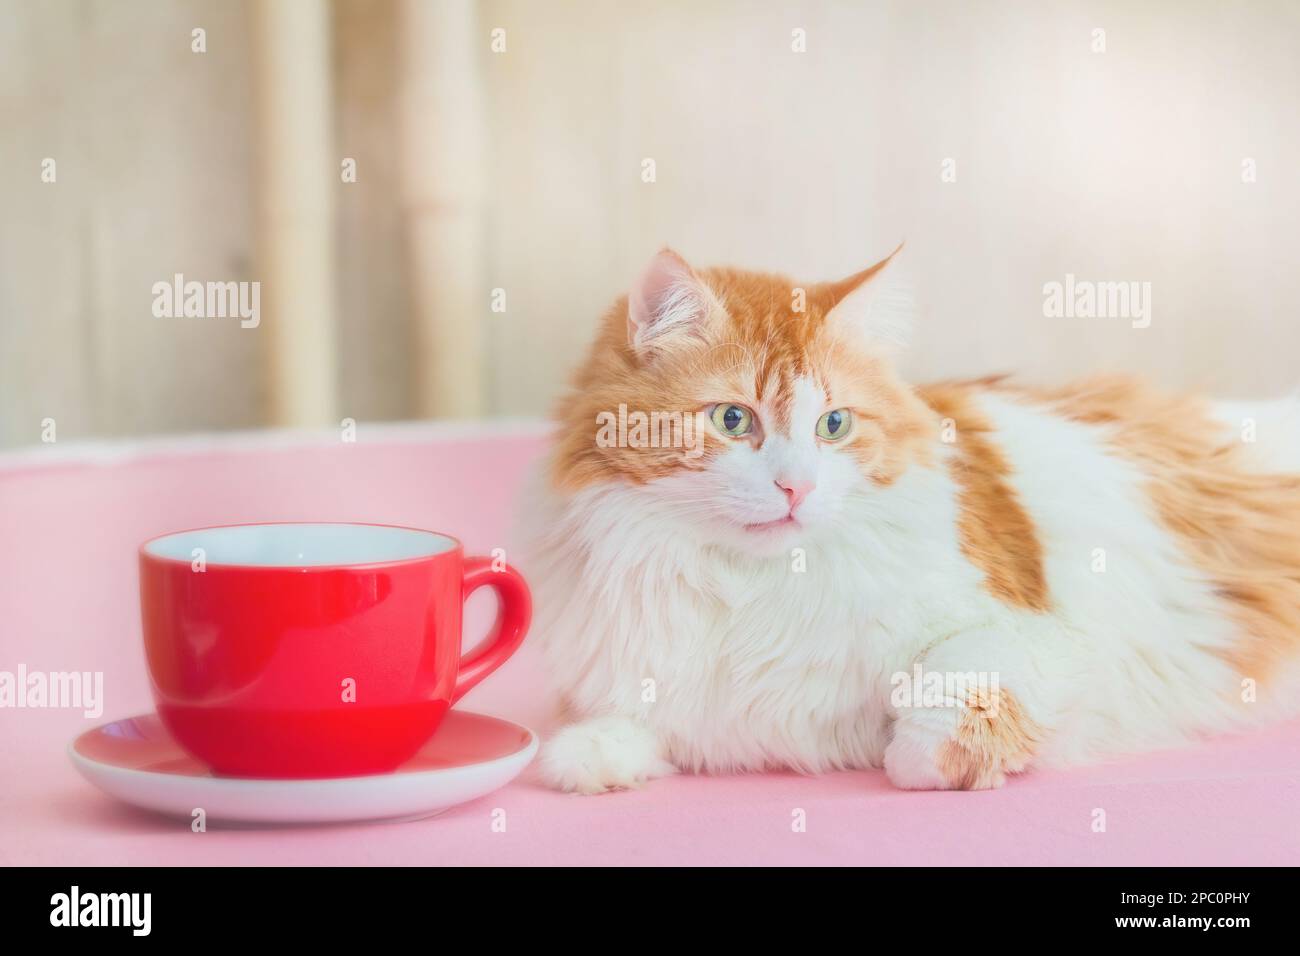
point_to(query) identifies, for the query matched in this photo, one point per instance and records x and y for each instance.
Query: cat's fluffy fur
(1121, 564)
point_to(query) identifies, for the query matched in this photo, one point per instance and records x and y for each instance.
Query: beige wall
(1122, 165)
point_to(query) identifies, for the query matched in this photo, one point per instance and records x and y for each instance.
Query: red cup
(315, 650)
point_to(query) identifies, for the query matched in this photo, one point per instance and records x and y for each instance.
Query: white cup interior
(300, 545)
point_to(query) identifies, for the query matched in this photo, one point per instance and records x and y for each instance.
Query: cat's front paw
(603, 753)
(966, 746)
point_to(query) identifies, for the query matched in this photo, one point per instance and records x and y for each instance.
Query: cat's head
(751, 406)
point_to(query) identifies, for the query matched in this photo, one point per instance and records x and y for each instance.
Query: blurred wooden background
(1117, 165)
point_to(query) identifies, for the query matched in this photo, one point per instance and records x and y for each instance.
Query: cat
(954, 582)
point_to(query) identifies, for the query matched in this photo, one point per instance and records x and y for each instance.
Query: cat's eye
(834, 425)
(733, 421)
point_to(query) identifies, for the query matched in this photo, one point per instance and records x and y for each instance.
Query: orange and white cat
(954, 582)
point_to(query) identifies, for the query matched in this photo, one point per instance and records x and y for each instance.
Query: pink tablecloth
(69, 524)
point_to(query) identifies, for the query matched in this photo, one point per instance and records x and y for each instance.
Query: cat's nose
(795, 491)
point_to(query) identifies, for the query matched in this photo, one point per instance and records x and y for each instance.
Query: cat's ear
(668, 301)
(875, 304)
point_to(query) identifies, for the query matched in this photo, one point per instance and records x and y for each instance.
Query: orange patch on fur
(1237, 525)
(994, 737)
(997, 534)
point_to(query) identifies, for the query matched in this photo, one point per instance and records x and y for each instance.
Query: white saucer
(136, 760)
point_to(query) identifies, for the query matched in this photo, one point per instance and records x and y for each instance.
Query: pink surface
(1226, 802)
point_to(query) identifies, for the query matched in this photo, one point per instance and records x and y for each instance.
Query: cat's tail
(1269, 430)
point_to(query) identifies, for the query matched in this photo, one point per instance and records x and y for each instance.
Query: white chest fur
(741, 662)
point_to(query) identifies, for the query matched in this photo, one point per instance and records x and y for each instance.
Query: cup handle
(511, 625)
